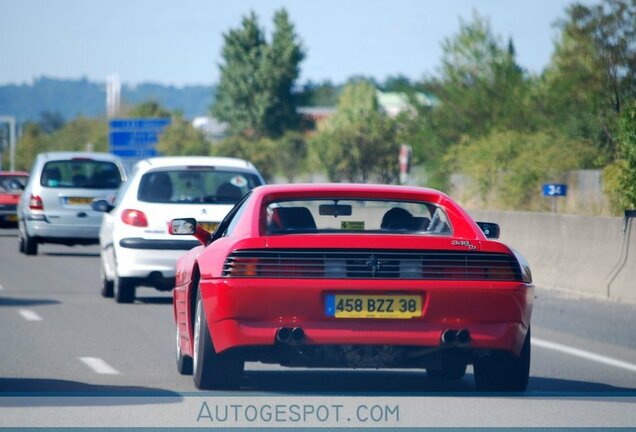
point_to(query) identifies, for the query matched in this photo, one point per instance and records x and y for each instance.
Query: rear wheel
(30, 245)
(124, 289)
(212, 370)
(184, 362)
(504, 372)
(107, 286)
(450, 371)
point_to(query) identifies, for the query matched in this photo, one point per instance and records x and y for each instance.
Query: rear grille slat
(372, 264)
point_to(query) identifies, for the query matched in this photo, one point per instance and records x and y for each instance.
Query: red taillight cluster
(134, 217)
(245, 267)
(267, 267)
(35, 203)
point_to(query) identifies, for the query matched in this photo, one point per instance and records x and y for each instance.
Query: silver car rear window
(80, 173)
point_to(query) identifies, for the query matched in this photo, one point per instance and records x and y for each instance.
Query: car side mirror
(185, 226)
(189, 226)
(102, 205)
(490, 229)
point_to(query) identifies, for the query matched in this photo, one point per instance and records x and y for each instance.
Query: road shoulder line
(588, 355)
(99, 366)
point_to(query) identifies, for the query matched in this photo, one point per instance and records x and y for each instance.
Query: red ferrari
(351, 275)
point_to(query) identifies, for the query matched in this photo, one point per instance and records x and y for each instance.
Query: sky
(179, 42)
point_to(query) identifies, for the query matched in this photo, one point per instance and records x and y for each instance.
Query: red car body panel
(10, 199)
(244, 312)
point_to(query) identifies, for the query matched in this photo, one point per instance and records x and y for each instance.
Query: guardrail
(591, 255)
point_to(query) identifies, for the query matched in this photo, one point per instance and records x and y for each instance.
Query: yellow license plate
(12, 218)
(78, 200)
(373, 306)
(208, 226)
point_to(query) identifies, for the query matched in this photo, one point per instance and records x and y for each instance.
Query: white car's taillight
(35, 203)
(134, 217)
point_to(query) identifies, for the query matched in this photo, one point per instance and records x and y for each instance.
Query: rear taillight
(244, 267)
(134, 217)
(35, 203)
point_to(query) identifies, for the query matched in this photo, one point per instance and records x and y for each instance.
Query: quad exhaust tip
(455, 337)
(290, 336)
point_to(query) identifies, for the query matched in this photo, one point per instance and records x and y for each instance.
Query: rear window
(9, 183)
(81, 173)
(195, 185)
(355, 216)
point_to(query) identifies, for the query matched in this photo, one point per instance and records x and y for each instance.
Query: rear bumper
(47, 232)
(141, 262)
(8, 210)
(145, 244)
(248, 312)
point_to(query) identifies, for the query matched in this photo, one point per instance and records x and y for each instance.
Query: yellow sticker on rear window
(352, 225)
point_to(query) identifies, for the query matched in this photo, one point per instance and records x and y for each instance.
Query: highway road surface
(69, 357)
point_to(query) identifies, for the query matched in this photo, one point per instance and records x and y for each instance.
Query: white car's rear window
(195, 185)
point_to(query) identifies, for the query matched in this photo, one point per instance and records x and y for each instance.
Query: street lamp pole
(12, 137)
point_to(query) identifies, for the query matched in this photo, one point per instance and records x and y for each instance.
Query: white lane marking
(584, 354)
(1, 287)
(29, 315)
(99, 366)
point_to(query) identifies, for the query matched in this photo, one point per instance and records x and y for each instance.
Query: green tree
(147, 109)
(262, 152)
(480, 88)
(593, 72)
(254, 95)
(323, 94)
(282, 68)
(507, 168)
(481, 85)
(182, 139)
(358, 143)
(32, 142)
(622, 174)
(291, 151)
(50, 121)
(80, 134)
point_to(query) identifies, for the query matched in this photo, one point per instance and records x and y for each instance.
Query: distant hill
(72, 98)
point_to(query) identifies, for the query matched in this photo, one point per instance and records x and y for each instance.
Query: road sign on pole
(555, 190)
(135, 139)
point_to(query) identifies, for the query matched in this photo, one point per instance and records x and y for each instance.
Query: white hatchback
(135, 247)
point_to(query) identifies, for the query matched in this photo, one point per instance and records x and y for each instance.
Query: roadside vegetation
(488, 119)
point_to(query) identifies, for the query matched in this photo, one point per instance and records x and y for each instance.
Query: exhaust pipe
(283, 334)
(455, 337)
(463, 336)
(448, 337)
(297, 335)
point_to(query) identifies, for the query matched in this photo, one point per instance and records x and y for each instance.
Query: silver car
(56, 204)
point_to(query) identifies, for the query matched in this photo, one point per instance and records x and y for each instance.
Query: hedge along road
(59, 335)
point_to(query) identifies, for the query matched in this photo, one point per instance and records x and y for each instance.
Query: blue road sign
(135, 139)
(555, 189)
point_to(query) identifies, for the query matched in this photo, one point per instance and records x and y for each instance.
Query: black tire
(450, 371)
(107, 286)
(20, 243)
(30, 245)
(184, 362)
(124, 289)
(212, 370)
(503, 372)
